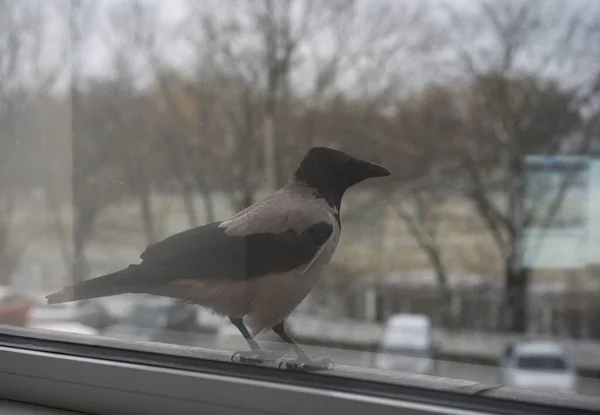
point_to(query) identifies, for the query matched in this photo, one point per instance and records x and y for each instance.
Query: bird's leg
(257, 354)
(303, 361)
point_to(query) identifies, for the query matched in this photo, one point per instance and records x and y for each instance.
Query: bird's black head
(332, 172)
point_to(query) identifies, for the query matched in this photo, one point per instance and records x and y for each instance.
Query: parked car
(159, 319)
(538, 365)
(89, 312)
(208, 321)
(407, 344)
(15, 306)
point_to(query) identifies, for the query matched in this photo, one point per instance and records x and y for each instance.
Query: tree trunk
(5, 270)
(59, 228)
(147, 218)
(177, 167)
(247, 198)
(440, 271)
(145, 197)
(514, 314)
(80, 269)
(202, 185)
(188, 202)
(82, 232)
(209, 206)
(443, 289)
(139, 184)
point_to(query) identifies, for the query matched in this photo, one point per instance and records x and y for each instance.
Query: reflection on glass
(541, 363)
(122, 123)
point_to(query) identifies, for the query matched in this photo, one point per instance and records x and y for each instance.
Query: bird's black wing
(204, 253)
(208, 253)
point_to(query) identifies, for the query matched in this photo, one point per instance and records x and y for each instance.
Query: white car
(538, 365)
(208, 320)
(407, 345)
(53, 313)
(91, 313)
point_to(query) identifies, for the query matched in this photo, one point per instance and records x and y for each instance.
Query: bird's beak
(374, 170)
(360, 170)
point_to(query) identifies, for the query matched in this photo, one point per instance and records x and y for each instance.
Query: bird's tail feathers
(104, 286)
(65, 295)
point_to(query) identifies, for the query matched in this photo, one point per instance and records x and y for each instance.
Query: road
(456, 370)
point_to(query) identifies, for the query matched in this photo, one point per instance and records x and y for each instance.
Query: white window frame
(110, 376)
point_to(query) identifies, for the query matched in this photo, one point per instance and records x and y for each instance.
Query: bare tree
(90, 146)
(187, 135)
(289, 57)
(50, 122)
(172, 136)
(255, 80)
(509, 113)
(10, 42)
(423, 222)
(16, 25)
(132, 25)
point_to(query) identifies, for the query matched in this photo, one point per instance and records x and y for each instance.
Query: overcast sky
(97, 55)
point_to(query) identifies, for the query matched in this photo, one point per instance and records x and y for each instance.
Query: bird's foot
(260, 356)
(307, 363)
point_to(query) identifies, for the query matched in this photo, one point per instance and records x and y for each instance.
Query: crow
(259, 264)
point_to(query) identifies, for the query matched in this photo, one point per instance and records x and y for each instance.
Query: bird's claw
(250, 356)
(323, 363)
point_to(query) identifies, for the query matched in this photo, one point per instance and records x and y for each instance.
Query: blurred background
(122, 122)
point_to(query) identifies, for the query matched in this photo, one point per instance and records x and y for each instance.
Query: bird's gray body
(269, 299)
(260, 264)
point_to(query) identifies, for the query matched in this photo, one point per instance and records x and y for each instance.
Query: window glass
(447, 218)
(551, 363)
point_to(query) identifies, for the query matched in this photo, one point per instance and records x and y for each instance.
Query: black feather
(207, 253)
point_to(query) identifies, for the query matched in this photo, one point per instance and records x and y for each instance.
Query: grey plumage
(270, 299)
(259, 264)
(267, 300)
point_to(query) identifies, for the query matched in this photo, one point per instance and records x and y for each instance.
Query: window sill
(20, 408)
(107, 376)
